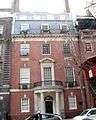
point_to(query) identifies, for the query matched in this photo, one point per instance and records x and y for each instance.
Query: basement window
(72, 102)
(25, 105)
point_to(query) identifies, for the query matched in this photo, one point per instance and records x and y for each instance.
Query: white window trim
(47, 65)
(20, 76)
(44, 25)
(75, 107)
(1, 29)
(42, 49)
(28, 106)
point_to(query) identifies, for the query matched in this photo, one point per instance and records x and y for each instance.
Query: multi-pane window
(47, 75)
(24, 49)
(24, 75)
(88, 47)
(69, 74)
(25, 107)
(24, 78)
(1, 29)
(72, 102)
(24, 27)
(66, 50)
(46, 49)
(0, 49)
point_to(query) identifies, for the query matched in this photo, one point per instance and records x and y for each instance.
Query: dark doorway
(49, 106)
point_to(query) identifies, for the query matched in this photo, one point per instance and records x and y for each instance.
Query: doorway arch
(48, 104)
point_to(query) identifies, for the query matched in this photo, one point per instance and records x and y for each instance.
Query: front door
(49, 106)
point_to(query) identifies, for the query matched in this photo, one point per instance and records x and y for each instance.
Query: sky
(54, 6)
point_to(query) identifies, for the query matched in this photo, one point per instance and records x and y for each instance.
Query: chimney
(15, 6)
(67, 6)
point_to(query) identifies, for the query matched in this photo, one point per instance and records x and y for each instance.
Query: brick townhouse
(50, 64)
(45, 72)
(5, 63)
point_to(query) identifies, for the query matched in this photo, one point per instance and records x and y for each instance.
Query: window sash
(46, 48)
(70, 74)
(24, 105)
(24, 75)
(47, 73)
(72, 102)
(24, 49)
(66, 49)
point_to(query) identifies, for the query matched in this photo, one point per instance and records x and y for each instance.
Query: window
(70, 78)
(66, 50)
(46, 48)
(25, 105)
(0, 49)
(24, 75)
(45, 27)
(1, 29)
(69, 74)
(24, 49)
(47, 75)
(63, 28)
(24, 78)
(90, 73)
(72, 102)
(24, 27)
(88, 47)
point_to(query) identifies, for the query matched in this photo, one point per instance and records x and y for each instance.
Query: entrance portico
(48, 101)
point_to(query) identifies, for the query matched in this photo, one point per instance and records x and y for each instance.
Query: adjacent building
(5, 63)
(87, 37)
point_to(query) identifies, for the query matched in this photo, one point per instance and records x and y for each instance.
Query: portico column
(35, 102)
(42, 103)
(57, 103)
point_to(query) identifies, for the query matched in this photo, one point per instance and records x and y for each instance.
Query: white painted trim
(47, 58)
(4, 93)
(75, 107)
(42, 49)
(47, 65)
(20, 90)
(28, 106)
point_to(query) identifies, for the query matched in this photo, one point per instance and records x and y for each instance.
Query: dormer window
(24, 27)
(64, 28)
(1, 29)
(45, 28)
